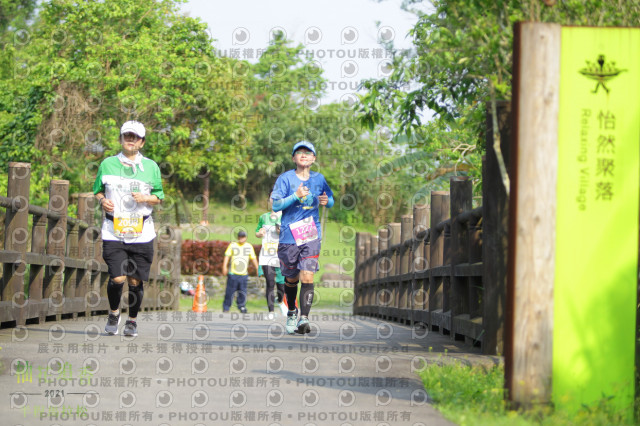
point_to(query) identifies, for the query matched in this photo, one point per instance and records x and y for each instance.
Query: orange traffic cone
(200, 297)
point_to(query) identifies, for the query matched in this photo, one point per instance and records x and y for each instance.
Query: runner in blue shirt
(298, 194)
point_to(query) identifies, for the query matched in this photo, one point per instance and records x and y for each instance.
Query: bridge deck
(187, 368)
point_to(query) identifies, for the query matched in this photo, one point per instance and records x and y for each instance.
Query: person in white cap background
(298, 194)
(127, 187)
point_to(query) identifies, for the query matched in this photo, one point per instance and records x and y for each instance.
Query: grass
(338, 241)
(327, 299)
(475, 396)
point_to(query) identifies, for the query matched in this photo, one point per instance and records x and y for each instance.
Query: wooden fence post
(176, 248)
(366, 241)
(419, 287)
(532, 223)
(495, 226)
(406, 234)
(70, 278)
(371, 288)
(100, 279)
(358, 290)
(86, 203)
(439, 213)
(461, 201)
(476, 285)
(383, 266)
(357, 302)
(394, 283)
(56, 245)
(446, 280)
(16, 238)
(36, 272)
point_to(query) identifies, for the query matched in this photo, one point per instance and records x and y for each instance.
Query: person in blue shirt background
(298, 194)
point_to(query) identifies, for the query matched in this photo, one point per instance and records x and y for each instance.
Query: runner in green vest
(268, 230)
(127, 187)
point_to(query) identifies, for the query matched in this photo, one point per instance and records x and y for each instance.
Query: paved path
(189, 369)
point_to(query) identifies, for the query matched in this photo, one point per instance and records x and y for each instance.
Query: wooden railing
(415, 273)
(52, 266)
(444, 266)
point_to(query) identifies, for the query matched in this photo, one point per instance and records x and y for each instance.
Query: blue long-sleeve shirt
(293, 209)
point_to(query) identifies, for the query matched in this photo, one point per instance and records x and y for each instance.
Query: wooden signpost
(573, 231)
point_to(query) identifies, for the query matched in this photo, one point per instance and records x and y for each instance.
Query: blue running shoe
(303, 326)
(292, 322)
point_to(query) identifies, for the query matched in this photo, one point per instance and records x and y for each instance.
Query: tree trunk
(205, 199)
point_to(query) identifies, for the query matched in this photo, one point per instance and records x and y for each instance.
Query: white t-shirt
(269, 252)
(117, 181)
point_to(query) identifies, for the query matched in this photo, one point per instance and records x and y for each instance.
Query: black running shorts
(131, 260)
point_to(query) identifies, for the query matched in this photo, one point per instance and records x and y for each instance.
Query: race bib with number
(304, 231)
(127, 225)
(270, 248)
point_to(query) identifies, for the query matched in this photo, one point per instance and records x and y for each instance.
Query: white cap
(133, 127)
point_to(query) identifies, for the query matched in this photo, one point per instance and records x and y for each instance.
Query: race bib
(127, 225)
(270, 248)
(304, 231)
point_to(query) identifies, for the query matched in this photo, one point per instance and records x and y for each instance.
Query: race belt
(127, 225)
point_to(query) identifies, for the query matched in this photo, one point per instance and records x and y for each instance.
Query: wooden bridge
(212, 368)
(444, 266)
(52, 263)
(58, 366)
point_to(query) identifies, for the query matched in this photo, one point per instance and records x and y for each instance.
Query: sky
(340, 35)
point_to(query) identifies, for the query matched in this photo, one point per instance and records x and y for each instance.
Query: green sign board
(596, 268)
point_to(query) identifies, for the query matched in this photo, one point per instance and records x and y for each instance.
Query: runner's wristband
(330, 202)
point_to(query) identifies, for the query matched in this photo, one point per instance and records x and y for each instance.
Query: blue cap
(303, 144)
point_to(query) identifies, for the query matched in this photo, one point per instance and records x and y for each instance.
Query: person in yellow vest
(239, 254)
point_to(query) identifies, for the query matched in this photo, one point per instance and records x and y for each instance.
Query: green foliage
(475, 396)
(282, 106)
(283, 87)
(468, 389)
(75, 73)
(86, 67)
(463, 49)
(15, 13)
(460, 61)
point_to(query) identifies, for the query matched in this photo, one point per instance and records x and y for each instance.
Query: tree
(89, 66)
(283, 91)
(285, 106)
(460, 61)
(14, 14)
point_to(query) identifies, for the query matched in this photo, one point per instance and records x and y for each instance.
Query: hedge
(205, 257)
